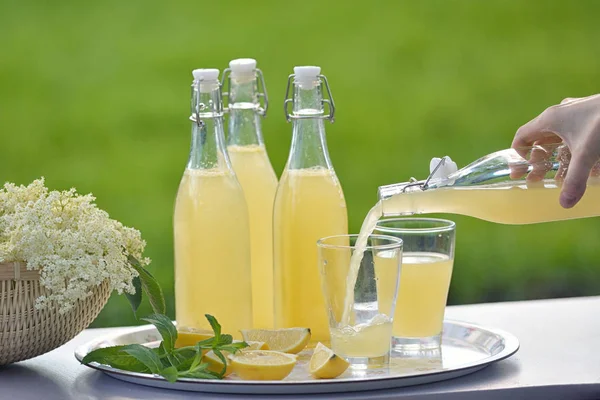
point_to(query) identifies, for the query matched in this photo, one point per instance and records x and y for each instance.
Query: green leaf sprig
(165, 360)
(147, 284)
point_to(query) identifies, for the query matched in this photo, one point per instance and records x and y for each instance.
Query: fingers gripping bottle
(212, 241)
(309, 205)
(256, 175)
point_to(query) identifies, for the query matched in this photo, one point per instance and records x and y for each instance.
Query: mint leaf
(116, 358)
(160, 350)
(197, 357)
(166, 329)
(183, 362)
(135, 299)
(169, 373)
(150, 286)
(146, 356)
(225, 340)
(207, 343)
(198, 370)
(185, 352)
(165, 360)
(163, 355)
(223, 360)
(198, 367)
(214, 324)
(233, 347)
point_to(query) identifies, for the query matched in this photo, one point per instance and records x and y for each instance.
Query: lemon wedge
(216, 365)
(262, 365)
(190, 336)
(290, 340)
(325, 364)
(256, 346)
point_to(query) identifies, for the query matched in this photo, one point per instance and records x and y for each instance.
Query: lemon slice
(190, 336)
(325, 364)
(216, 365)
(290, 340)
(262, 365)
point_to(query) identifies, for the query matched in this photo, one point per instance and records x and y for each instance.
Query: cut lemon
(262, 365)
(291, 340)
(190, 336)
(256, 346)
(216, 365)
(325, 364)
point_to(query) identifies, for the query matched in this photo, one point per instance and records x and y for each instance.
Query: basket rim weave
(26, 331)
(17, 271)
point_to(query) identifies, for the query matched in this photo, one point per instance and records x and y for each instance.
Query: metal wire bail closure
(328, 101)
(261, 91)
(195, 117)
(425, 184)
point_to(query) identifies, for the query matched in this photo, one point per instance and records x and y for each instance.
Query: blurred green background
(95, 95)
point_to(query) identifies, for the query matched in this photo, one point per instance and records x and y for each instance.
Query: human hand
(575, 122)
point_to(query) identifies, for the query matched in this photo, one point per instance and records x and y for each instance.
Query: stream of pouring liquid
(357, 255)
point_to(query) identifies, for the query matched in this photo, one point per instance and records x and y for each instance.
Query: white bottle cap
(208, 77)
(242, 67)
(306, 76)
(206, 74)
(445, 170)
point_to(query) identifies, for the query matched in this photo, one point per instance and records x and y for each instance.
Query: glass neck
(309, 145)
(244, 119)
(208, 136)
(395, 200)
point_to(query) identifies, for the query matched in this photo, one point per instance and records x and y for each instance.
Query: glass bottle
(256, 175)
(309, 205)
(211, 232)
(509, 187)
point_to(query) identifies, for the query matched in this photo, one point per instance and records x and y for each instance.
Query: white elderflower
(74, 244)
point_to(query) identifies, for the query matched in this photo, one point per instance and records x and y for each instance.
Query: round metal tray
(466, 348)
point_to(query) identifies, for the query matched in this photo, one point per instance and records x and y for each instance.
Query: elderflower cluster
(74, 244)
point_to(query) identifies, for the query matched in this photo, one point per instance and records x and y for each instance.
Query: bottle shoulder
(316, 185)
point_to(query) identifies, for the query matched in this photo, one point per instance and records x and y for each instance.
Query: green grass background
(95, 95)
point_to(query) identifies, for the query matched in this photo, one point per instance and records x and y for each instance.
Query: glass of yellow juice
(427, 263)
(359, 280)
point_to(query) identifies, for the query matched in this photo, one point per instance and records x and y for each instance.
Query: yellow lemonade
(309, 205)
(515, 204)
(363, 340)
(212, 252)
(422, 294)
(424, 284)
(385, 264)
(254, 172)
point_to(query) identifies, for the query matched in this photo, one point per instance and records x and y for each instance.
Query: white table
(559, 359)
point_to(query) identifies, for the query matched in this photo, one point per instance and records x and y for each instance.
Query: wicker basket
(26, 332)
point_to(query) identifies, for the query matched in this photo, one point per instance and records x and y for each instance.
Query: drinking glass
(427, 264)
(361, 299)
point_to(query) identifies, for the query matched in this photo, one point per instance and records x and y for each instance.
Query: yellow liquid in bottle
(309, 205)
(212, 252)
(255, 173)
(515, 204)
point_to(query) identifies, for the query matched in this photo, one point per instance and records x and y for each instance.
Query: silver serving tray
(466, 348)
